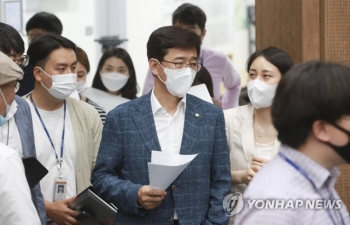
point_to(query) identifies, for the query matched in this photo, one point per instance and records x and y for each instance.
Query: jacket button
(174, 187)
(171, 218)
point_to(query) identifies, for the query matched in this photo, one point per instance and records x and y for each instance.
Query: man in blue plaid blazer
(166, 119)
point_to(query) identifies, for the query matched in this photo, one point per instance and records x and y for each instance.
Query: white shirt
(53, 121)
(264, 150)
(16, 206)
(9, 134)
(169, 128)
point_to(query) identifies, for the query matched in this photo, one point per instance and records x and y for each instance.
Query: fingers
(71, 213)
(255, 163)
(260, 160)
(146, 190)
(256, 168)
(68, 200)
(149, 198)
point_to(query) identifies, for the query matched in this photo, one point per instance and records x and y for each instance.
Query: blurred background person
(251, 136)
(220, 67)
(116, 74)
(39, 24)
(203, 77)
(83, 68)
(43, 23)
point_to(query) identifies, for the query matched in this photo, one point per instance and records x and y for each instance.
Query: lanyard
(59, 160)
(302, 172)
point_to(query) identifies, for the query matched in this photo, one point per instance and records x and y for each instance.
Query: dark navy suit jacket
(24, 124)
(129, 136)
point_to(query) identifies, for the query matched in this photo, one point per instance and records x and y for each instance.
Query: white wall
(143, 17)
(76, 16)
(137, 19)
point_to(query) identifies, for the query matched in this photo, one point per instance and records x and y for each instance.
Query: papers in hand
(200, 91)
(104, 99)
(165, 167)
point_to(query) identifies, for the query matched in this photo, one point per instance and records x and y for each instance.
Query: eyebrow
(183, 58)
(66, 64)
(262, 70)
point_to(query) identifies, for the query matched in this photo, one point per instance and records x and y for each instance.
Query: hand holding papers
(165, 167)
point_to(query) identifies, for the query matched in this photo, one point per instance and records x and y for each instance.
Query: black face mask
(343, 151)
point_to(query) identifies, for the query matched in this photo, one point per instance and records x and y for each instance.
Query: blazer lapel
(191, 124)
(144, 121)
(247, 133)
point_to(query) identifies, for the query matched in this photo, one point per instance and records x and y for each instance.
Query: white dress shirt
(9, 134)
(169, 128)
(16, 206)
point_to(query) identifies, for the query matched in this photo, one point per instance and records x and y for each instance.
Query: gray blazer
(129, 136)
(24, 123)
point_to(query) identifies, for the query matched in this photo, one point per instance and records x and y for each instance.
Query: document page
(165, 167)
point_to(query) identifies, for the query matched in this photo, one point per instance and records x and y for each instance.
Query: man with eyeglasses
(168, 120)
(16, 204)
(17, 129)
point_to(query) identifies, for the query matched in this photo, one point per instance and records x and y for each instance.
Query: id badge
(60, 189)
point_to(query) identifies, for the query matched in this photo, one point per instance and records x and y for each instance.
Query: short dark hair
(10, 39)
(203, 77)
(41, 47)
(275, 56)
(83, 58)
(171, 37)
(45, 21)
(190, 15)
(130, 89)
(308, 92)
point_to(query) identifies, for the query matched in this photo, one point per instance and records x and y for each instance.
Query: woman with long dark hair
(116, 74)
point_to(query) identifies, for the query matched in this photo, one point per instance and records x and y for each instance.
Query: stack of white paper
(104, 99)
(165, 167)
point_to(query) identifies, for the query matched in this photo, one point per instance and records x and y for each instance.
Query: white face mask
(62, 85)
(81, 86)
(260, 93)
(114, 81)
(179, 81)
(4, 119)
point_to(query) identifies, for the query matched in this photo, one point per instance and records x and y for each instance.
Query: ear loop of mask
(3, 97)
(46, 75)
(158, 74)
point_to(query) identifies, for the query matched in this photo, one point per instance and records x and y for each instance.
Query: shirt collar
(13, 109)
(317, 173)
(157, 106)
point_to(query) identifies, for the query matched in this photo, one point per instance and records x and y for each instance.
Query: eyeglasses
(17, 86)
(22, 61)
(196, 66)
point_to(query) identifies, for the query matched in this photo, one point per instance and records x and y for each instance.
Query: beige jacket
(87, 129)
(240, 138)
